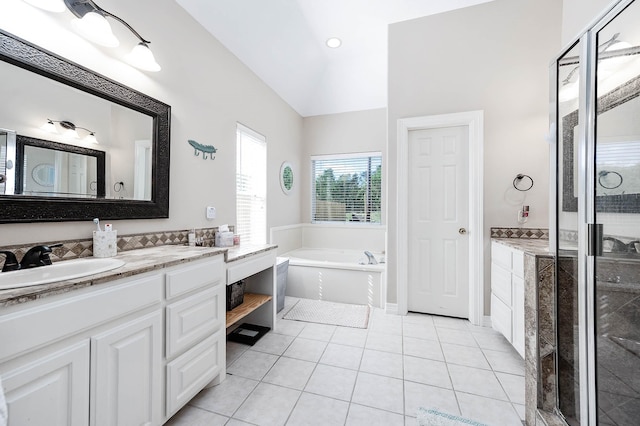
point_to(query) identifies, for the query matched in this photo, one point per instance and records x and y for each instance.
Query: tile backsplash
(531, 233)
(73, 249)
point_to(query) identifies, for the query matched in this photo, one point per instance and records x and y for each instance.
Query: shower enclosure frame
(587, 229)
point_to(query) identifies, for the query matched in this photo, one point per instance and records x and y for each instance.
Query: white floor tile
(273, 343)
(387, 325)
(192, 416)
(312, 410)
(426, 371)
(350, 336)
(419, 331)
(289, 372)
(384, 342)
(382, 363)
(476, 381)
(359, 415)
(288, 327)
(306, 349)
(465, 355)
(252, 365)
(448, 322)
(417, 395)
(342, 356)
(380, 392)
(268, 405)
(521, 410)
(333, 382)
(457, 337)
(226, 397)
(234, 350)
(494, 342)
(416, 318)
(488, 411)
(505, 362)
(421, 348)
(318, 332)
(513, 386)
(236, 422)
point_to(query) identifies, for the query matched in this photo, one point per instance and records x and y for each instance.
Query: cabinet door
(126, 373)
(51, 391)
(518, 315)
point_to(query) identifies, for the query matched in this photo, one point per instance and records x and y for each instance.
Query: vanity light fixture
(48, 5)
(70, 130)
(334, 42)
(92, 24)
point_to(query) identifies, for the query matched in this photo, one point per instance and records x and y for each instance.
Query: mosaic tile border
(74, 249)
(524, 233)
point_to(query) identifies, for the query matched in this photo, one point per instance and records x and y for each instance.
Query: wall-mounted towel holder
(518, 179)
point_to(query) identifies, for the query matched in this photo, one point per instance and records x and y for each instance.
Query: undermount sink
(59, 271)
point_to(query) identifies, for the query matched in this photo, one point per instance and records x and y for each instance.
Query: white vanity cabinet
(128, 352)
(507, 293)
(195, 330)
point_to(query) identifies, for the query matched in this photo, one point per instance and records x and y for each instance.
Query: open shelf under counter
(252, 301)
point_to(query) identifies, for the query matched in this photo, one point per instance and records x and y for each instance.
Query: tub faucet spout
(371, 257)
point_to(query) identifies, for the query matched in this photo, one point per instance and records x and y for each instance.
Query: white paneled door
(438, 218)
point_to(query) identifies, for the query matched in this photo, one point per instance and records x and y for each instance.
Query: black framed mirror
(53, 169)
(39, 208)
(610, 203)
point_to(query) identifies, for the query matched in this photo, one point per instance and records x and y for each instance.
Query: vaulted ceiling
(284, 43)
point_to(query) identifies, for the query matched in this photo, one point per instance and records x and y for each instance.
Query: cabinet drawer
(190, 373)
(194, 318)
(501, 255)
(501, 283)
(245, 268)
(198, 275)
(518, 263)
(34, 327)
(501, 317)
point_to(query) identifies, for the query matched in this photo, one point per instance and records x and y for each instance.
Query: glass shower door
(616, 200)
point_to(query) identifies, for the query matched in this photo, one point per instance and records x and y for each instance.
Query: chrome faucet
(371, 257)
(617, 246)
(10, 262)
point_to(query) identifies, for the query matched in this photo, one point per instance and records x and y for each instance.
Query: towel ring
(519, 178)
(604, 173)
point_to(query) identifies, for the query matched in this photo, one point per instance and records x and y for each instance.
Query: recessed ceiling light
(334, 42)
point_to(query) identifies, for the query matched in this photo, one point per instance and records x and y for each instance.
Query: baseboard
(391, 308)
(486, 321)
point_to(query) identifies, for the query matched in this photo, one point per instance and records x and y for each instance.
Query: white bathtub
(336, 276)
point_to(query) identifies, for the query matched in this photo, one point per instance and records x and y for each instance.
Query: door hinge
(594, 239)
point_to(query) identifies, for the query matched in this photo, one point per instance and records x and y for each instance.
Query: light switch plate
(211, 212)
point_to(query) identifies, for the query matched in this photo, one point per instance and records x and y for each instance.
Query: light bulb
(48, 5)
(142, 57)
(95, 27)
(49, 127)
(334, 42)
(91, 138)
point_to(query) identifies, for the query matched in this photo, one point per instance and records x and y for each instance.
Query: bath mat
(323, 312)
(431, 417)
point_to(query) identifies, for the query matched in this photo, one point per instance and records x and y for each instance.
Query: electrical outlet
(211, 213)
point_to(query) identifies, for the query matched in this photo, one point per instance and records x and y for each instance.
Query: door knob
(462, 231)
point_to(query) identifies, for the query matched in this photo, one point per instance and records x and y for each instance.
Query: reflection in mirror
(51, 169)
(116, 127)
(40, 86)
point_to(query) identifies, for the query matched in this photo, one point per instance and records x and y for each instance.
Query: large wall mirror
(618, 182)
(57, 177)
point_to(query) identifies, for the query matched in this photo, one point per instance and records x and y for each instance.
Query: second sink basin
(59, 271)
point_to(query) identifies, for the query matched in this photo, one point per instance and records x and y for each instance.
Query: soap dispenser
(523, 215)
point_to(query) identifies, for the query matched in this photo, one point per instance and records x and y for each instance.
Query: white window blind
(347, 188)
(251, 186)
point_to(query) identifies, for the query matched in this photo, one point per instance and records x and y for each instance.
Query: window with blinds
(251, 186)
(347, 188)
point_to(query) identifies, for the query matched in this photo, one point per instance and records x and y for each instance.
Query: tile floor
(314, 374)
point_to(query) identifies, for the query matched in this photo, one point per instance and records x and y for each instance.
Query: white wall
(349, 132)
(577, 15)
(492, 57)
(209, 90)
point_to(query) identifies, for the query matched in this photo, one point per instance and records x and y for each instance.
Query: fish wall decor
(205, 149)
